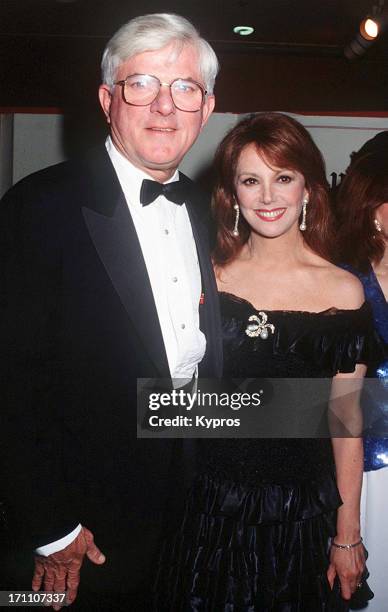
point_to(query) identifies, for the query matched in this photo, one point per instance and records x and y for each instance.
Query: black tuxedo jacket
(78, 327)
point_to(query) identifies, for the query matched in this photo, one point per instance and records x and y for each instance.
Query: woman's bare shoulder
(346, 289)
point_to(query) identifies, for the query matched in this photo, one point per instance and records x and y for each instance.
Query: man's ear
(105, 98)
(207, 109)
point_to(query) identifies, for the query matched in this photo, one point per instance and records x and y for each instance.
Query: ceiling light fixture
(369, 28)
(243, 30)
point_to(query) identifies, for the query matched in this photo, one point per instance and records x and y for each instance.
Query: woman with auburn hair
(274, 524)
(362, 203)
(285, 143)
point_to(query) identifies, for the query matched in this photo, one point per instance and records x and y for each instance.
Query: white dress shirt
(167, 243)
(168, 247)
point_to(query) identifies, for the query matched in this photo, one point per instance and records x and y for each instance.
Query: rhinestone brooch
(258, 326)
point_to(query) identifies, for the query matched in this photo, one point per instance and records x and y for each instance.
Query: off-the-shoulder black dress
(258, 519)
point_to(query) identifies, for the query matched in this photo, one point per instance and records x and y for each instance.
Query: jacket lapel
(111, 229)
(210, 318)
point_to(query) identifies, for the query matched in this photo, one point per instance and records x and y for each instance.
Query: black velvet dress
(258, 519)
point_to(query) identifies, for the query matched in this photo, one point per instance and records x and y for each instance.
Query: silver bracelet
(346, 546)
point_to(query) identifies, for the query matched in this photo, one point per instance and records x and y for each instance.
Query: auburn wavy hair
(363, 189)
(283, 143)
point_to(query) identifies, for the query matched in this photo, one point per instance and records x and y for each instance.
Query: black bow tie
(150, 190)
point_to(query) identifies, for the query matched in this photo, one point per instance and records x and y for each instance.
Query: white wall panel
(6, 152)
(37, 143)
(38, 140)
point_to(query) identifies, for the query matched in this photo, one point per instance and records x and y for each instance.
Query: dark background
(50, 52)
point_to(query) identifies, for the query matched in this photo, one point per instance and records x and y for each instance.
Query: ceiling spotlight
(369, 28)
(357, 47)
(243, 30)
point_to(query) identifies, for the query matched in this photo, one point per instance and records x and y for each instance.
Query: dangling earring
(303, 225)
(235, 231)
(378, 225)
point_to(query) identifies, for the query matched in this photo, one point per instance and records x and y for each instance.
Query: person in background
(274, 524)
(106, 277)
(362, 205)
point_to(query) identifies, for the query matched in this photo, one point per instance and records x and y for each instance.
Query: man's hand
(60, 571)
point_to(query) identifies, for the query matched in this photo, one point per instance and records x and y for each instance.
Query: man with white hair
(108, 279)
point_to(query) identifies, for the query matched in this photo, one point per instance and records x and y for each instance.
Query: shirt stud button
(174, 279)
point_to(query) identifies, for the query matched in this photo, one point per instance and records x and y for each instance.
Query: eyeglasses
(143, 89)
